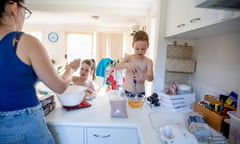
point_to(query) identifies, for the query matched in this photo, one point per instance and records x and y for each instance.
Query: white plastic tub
(234, 132)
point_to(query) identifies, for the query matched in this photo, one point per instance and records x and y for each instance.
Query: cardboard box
(213, 118)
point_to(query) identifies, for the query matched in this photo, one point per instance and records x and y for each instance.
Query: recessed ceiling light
(95, 17)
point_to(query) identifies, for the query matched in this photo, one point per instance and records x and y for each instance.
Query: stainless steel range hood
(219, 4)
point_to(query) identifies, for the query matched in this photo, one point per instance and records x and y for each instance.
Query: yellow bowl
(136, 102)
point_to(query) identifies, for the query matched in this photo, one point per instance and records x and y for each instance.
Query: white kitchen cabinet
(111, 135)
(184, 16)
(199, 17)
(196, 17)
(224, 15)
(176, 17)
(73, 134)
(67, 134)
(236, 14)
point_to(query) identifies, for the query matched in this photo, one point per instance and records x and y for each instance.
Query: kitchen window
(79, 45)
(94, 45)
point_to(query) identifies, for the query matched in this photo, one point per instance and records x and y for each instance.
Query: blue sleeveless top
(17, 79)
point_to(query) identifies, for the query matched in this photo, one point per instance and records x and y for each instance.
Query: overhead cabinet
(176, 17)
(184, 16)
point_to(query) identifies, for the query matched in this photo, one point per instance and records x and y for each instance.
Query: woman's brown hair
(3, 4)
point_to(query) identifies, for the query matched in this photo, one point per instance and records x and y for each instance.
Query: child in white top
(86, 76)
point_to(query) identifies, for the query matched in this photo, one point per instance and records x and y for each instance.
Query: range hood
(219, 4)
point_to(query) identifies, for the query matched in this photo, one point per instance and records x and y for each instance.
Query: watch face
(53, 37)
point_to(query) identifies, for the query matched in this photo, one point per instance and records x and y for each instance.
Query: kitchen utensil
(135, 87)
(184, 89)
(176, 134)
(138, 100)
(72, 96)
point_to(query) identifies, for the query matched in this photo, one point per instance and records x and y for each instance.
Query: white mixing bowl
(72, 96)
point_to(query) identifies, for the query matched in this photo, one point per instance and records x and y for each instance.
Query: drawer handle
(181, 25)
(104, 136)
(195, 19)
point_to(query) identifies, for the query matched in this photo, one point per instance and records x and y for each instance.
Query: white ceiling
(112, 13)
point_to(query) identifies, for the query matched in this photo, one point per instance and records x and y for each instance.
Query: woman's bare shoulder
(30, 38)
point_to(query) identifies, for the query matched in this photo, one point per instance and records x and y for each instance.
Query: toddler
(86, 76)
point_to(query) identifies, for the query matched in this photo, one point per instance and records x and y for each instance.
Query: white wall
(218, 64)
(55, 50)
(160, 48)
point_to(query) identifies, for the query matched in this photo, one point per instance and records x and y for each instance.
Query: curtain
(109, 45)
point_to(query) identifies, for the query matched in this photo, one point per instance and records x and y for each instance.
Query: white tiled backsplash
(203, 89)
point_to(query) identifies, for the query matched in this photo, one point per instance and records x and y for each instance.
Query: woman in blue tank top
(23, 60)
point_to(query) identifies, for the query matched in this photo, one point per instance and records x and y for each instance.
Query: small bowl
(136, 102)
(72, 96)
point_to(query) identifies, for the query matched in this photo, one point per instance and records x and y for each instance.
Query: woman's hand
(70, 69)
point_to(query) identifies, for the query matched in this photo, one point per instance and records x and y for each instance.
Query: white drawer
(109, 135)
(67, 134)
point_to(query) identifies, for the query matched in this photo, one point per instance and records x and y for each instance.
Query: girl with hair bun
(86, 76)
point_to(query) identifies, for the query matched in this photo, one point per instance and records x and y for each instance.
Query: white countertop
(99, 115)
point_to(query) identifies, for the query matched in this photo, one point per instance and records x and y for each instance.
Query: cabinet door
(176, 17)
(183, 16)
(236, 14)
(224, 15)
(67, 134)
(98, 135)
(197, 17)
